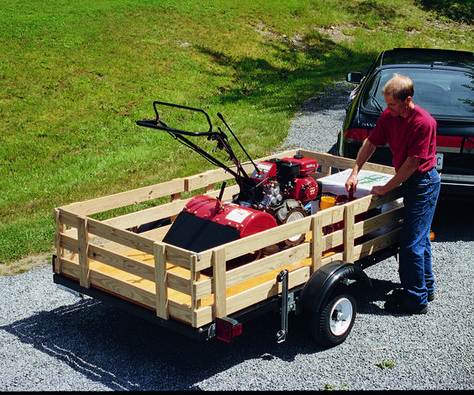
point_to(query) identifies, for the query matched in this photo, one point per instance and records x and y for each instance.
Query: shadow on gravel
(123, 352)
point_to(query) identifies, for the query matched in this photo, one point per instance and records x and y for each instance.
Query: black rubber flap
(198, 234)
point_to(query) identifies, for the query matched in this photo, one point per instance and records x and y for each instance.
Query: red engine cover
(307, 165)
(306, 189)
(246, 220)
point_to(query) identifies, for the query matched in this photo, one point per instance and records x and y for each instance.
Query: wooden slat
(122, 199)
(203, 316)
(218, 265)
(127, 290)
(373, 224)
(82, 251)
(377, 244)
(70, 268)
(340, 162)
(203, 288)
(195, 276)
(265, 290)
(124, 237)
(145, 216)
(317, 242)
(348, 233)
(182, 312)
(68, 218)
(122, 262)
(161, 283)
(267, 264)
(60, 228)
(183, 284)
(266, 238)
(207, 178)
(68, 243)
(179, 256)
(115, 285)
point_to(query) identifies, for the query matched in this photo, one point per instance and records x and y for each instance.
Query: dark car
(444, 86)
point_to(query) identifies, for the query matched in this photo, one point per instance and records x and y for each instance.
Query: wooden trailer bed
(195, 288)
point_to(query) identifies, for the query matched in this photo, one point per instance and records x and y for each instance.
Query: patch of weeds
(385, 364)
(332, 387)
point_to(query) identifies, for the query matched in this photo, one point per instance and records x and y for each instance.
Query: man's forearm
(406, 170)
(365, 152)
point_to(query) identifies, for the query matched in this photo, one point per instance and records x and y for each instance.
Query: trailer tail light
(227, 328)
(356, 134)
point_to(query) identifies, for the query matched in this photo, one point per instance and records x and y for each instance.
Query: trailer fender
(322, 283)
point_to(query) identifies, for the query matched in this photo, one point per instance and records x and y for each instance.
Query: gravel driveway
(52, 340)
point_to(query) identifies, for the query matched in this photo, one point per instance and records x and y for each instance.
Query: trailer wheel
(333, 324)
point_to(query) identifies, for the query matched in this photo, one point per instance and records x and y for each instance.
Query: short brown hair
(399, 86)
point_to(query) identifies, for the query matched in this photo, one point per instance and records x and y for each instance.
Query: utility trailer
(212, 293)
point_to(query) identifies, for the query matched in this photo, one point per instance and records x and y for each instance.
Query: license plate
(439, 161)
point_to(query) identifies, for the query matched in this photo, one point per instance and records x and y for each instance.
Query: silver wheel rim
(341, 317)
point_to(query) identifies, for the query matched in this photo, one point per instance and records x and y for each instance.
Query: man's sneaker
(400, 307)
(399, 293)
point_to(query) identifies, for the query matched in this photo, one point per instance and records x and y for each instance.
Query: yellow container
(326, 202)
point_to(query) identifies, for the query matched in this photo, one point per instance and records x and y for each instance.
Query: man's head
(398, 92)
(399, 86)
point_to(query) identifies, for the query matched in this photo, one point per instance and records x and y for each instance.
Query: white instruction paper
(335, 183)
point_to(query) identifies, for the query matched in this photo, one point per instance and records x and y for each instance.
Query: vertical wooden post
(161, 281)
(317, 242)
(348, 232)
(57, 241)
(195, 277)
(219, 278)
(83, 247)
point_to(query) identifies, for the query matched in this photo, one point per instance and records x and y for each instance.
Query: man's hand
(351, 183)
(365, 152)
(379, 190)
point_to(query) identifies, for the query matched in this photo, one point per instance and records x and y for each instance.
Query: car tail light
(356, 134)
(455, 142)
(227, 328)
(449, 141)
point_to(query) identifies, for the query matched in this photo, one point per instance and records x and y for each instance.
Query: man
(410, 132)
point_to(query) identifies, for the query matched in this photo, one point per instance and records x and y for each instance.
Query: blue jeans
(420, 193)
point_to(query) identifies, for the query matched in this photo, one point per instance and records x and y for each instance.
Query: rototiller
(275, 193)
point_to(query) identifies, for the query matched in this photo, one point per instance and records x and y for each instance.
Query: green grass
(76, 76)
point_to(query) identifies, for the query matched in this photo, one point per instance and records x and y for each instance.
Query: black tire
(333, 324)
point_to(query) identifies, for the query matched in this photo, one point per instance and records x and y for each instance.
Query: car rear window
(440, 92)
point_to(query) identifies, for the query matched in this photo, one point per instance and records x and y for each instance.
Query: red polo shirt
(414, 136)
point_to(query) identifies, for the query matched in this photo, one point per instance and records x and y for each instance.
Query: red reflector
(356, 134)
(469, 143)
(227, 328)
